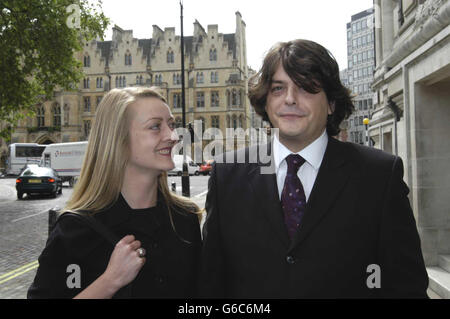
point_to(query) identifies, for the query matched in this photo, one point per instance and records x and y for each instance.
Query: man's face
(300, 116)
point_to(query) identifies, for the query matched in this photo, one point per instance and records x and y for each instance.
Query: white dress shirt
(313, 155)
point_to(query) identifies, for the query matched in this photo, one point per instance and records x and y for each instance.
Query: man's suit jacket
(358, 215)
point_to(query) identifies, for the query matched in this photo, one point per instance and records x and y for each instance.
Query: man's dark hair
(311, 67)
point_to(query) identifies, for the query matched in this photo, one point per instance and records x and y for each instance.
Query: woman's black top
(172, 258)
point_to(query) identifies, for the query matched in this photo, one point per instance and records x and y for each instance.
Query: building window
(234, 121)
(214, 98)
(56, 110)
(40, 116)
(234, 97)
(241, 121)
(87, 128)
(121, 81)
(176, 100)
(215, 121)
(200, 99)
(170, 56)
(99, 99)
(86, 83)
(200, 77)
(158, 79)
(87, 61)
(99, 83)
(176, 79)
(212, 54)
(128, 58)
(139, 80)
(87, 104)
(215, 77)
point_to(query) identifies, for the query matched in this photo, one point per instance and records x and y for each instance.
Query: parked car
(193, 168)
(38, 180)
(206, 167)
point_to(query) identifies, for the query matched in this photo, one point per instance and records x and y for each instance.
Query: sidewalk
(7, 193)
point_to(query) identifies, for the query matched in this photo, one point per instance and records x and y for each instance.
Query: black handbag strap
(93, 224)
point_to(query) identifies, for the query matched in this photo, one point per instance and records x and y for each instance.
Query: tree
(38, 42)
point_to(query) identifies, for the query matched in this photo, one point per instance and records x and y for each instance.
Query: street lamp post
(185, 185)
(366, 124)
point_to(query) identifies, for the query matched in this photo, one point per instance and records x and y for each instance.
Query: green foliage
(38, 43)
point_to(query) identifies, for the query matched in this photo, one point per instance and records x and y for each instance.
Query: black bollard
(174, 187)
(52, 215)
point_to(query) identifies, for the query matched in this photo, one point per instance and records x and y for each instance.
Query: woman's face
(152, 136)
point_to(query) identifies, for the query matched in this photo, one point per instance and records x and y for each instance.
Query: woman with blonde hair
(123, 186)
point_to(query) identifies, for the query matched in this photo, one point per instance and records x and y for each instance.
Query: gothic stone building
(215, 81)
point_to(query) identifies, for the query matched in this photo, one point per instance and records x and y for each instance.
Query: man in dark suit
(331, 220)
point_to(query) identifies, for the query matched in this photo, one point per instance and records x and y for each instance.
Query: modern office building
(361, 64)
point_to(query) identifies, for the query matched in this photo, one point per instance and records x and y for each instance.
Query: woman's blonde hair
(107, 154)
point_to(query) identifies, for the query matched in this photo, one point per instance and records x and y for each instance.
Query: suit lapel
(333, 174)
(262, 179)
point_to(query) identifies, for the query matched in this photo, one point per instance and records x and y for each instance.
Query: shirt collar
(313, 153)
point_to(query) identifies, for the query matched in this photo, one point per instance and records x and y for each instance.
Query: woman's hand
(125, 263)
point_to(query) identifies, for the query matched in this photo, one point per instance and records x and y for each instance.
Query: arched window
(241, 121)
(228, 121)
(212, 54)
(233, 97)
(234, 121)
(41, 116)
(137, 79)
(120, 81)
(200, 77)
(170, 56)
(124, 81)
(56, 110)
(87, 61)
(87, 128)
(128, 58)
(66, 114)
(117, 82)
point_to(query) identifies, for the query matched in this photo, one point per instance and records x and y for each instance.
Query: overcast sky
(268, 22)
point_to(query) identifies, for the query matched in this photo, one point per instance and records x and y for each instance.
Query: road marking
(16, 220)
(201, 194)
(19, 271)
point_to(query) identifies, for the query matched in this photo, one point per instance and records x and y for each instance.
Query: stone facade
(215, 81)
(412, 115)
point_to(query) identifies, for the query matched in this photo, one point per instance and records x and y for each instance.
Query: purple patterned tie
(293, 199)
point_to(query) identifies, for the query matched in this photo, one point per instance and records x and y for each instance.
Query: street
(24, 231)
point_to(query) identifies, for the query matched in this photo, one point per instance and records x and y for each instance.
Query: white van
(65, 158)
(193, 168)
